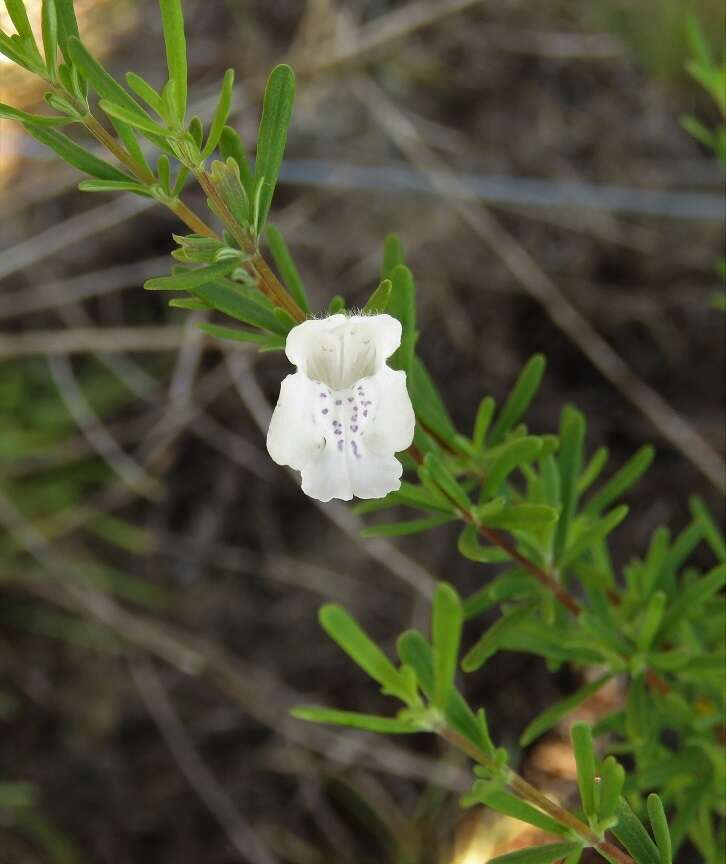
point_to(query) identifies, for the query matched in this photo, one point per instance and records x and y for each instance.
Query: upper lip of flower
(341, 350)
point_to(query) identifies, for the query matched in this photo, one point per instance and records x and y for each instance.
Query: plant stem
(191, 220)
(543, 576)
(267, 281)
(142, 173)
(531, 794)
(272, 283)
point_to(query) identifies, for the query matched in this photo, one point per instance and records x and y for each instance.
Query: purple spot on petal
(340, 444)
(325, 410)
(323, 395)
(365, 413)
(338, 432)
(338, 401)
(353, 428)
(350, 398)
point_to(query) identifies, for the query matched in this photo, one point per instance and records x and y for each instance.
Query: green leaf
(132, 118)
(163, 168)
(402, 305)
(446, 481)
(67, 24)
(612, 778)
(22, 55)
(537, 854)
(74, 154)
(584, 750)
(230, 146)
(416, 652)
(428, 405)
(379, 299)
(193, 303)
(225, 297)
(128, 136)
(7, 112)
(286, 266)
(513, 584)
(114, 186)
(470, 548)
(631, 833)
(106, 86)
(401, 529)
(622, 480)
(446, 623)
(19, 17)
(393, 255)
(638, 709)
(593, 535)
(49, 29)
(484, 417)
(226, 180)
(522, 517)
(221, 113)
(593, 469)
(659, 824)
(191, 279)
(269, 341)
(552, 715)
(697, 41)
(272, 137)
(337, 304)
(492, 638)
(504, 802)
(711, 532)
(145, 91)
(652, 618)
(521, 451)
(519, 399)
(344, 630)
(691, 598)
(172, 19)
(569, 462)
(409, 495)
(285, 318)
(368, 722)
(697, 130)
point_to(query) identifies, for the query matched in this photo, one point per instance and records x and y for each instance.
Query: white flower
(344, 413)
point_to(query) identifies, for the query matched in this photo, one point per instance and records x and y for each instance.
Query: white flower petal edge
(344, 414)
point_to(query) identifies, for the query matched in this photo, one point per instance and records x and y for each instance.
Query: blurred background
(160, 576)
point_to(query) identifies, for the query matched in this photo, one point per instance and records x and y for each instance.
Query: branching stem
(529, 793)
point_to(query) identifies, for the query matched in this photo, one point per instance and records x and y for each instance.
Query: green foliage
(74, 154)
(633, 835)
(552, 715)
(538, 507)
(286, 266)
(537, 854)
(221, 114)
(271, 140)
(378, 301)
(172, 19)
(446, 624)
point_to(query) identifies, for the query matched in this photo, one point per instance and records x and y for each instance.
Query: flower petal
(393, 426)
(304, 339)
(293, 438)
